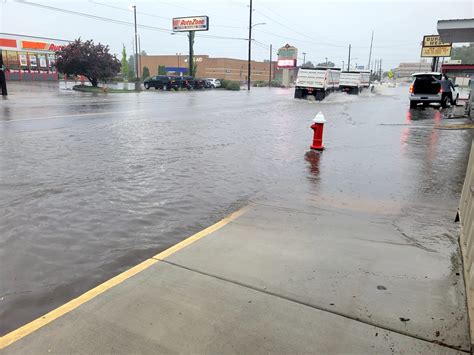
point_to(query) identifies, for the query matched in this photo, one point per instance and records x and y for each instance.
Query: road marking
(36, 324)
(200, 235)
(73, 115)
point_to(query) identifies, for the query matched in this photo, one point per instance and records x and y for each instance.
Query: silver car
(431, 87)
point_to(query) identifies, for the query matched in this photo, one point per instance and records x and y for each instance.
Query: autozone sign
(197, 23)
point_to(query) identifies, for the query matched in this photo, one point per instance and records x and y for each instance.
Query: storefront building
(30, 58)
(208, 67)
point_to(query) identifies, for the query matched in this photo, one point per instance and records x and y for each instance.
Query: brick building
(207, 67)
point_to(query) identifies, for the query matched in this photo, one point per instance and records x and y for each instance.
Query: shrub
(233, 85)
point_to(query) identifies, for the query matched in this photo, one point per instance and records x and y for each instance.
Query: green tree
(323, 64)
(161, 70)
(124, 68)
(131, 67)
(464, 53)
(86, 58)
(308, 64)
(146, 72)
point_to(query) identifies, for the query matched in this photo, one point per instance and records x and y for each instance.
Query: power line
(151, 15)
(120, 22)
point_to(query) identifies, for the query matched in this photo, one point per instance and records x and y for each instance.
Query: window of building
(12, 62)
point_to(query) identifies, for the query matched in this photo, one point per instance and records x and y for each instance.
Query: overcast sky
(319, 28)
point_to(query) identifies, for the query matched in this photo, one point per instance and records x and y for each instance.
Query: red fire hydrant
(318, 128)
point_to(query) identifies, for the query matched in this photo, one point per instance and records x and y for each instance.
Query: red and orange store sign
(31, 45)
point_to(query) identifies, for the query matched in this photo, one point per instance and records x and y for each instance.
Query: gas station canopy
(456, 31)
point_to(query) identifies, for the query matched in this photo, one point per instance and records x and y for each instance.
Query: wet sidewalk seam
(319, 308)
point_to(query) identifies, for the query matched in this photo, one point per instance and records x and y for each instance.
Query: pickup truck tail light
(411, 89)
(440, 90)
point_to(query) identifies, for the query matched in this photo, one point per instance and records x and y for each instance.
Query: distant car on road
(432, 87)
(213, 83)
(163, 82)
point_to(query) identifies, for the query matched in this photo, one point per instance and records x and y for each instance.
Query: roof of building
(456, 30)
(427, 73)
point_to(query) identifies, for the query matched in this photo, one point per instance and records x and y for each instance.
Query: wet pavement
(92, 184)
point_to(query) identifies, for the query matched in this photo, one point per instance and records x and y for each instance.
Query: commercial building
(405, 70)
(207, 67)
(30, 58)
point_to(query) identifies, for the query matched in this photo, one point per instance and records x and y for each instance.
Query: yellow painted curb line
(31, 327)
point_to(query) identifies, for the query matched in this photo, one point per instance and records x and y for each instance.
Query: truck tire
(320, 95)
(413, 104)
(298, 93)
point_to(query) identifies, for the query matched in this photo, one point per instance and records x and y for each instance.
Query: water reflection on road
(92, 184)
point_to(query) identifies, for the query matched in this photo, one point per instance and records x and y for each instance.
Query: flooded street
(93, 184)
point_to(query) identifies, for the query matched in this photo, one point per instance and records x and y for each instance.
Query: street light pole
(304, 58)
(326, 61)
(250, 47)
(270, 69)
(349, 59)
(136, 47)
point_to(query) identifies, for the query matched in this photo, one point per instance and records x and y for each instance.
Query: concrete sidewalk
(300, 279)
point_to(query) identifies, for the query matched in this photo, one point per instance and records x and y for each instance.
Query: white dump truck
(353, 82)
(319, 81)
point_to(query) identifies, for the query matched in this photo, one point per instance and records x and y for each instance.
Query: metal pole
(381, 72)
(191, 54)
(136, 40)
(270, 69)
(304, 58)
(342, 65)
(349, 59)
(3, 80)
(250, 47)
(326, 62)
(370, 52)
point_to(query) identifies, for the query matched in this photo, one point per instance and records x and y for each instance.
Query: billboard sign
(436, 51)
(196, 23)
(288, 52)
(434, 41)
(286, 63)
(434, 47)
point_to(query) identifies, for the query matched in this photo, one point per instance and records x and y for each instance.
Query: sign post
(435, 48)
(287, 59)
(191, 25)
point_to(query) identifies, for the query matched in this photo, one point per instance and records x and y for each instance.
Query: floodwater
(91, 184)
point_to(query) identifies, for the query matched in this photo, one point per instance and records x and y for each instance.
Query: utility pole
(250, 47)
(304, 58)
(349, 59)
(326, 61)
(370, 52)
(270, 69)
(342, 65)
(380, 69)
(137, 84)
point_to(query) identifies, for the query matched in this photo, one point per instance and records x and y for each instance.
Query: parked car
(431, 87)
(199, 83)
(213, 83)
(163, 82)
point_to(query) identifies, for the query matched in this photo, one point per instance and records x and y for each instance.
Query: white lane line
(72, 115)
